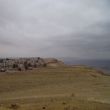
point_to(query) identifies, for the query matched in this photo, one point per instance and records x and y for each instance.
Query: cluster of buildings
(20, 64)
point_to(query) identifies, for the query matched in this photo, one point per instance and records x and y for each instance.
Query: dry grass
(61, 88)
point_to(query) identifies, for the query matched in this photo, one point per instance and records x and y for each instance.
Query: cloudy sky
(55, 28)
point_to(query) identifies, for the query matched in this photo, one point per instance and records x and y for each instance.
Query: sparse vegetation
(58, 88)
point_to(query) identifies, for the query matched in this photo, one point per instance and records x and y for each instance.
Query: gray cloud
(59, 28)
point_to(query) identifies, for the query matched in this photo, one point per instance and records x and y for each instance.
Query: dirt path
(99, 100)
(35, 97)
(50, 96)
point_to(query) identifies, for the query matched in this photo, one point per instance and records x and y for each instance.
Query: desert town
(22, 64)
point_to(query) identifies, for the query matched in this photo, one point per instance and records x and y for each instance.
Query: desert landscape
(54, 54)
(55, 87)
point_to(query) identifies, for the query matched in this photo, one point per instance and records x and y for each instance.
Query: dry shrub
(14, 106)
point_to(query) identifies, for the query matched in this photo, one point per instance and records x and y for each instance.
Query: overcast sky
(55, 28)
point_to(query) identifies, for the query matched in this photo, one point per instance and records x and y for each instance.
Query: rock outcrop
(53, 62)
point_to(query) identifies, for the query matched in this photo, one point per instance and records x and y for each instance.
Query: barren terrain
(55, 88)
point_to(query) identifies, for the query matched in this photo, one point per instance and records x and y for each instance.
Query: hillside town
(23, 64)
(20, 64)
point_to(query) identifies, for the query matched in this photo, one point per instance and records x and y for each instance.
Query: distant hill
(99, 64)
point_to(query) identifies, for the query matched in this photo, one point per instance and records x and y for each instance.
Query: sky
(55, 28)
